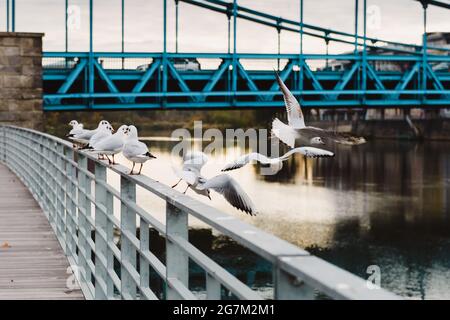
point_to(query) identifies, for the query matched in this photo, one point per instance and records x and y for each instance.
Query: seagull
(309, 152)
(111, 145)
(135, 150)
(84, 136)
(296, 133)
(103, 132)
(76, 128)
(223, 183)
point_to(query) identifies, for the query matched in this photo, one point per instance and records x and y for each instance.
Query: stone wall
(21, 79)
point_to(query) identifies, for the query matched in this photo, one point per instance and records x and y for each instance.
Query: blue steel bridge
(113, 80)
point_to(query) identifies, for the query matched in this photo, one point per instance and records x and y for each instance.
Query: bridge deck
(32, 262)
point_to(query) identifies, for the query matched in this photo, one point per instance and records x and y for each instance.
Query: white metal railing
(84, 222)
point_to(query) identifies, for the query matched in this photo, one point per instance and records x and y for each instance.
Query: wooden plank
(32, 262)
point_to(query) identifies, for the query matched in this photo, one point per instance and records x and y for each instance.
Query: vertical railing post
(109, 239)
(100, 228)
(41, 166)
(84, 230)
(51, 179)
(144, 240)
(71, 214)
(177, 261)
(60, 214)
(287, 287)
(213, 288)
(127, 250)
(4, 145)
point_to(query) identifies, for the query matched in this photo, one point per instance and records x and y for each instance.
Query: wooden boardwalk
(32, 262)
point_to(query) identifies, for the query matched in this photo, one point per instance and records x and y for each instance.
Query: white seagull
(76, 128)
(296, 133)
(135, 150)
(309, 152)
(103, 132)
(223, 183)
(111, 145)
(85, 135)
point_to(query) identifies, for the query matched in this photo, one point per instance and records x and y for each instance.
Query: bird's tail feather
(148, 154)
(283, 132)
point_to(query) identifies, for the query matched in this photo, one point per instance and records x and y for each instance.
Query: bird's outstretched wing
(309, 152)
(328, 135)
(247, 158)
(232, 192)
(293, 109)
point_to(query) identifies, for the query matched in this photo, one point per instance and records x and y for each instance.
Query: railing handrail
(289, 261)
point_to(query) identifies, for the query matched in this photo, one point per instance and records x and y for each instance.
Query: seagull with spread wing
(135, 150)
(309, 152)
(296, 133)
(223, 183)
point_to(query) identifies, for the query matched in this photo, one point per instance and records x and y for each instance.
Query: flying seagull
(135, 150)
(223, 183)
(112, 144)
(309, 152)
(296, 133)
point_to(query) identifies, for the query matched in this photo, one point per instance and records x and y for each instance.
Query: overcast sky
(205, 31)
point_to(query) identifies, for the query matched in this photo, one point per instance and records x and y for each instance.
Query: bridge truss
(110, 80)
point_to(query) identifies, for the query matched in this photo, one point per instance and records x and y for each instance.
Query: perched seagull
(111, 145)
(296, 133)
(135, 150)
(223, 183)
(309, 152)
(84, 136)
(103, 132)
(76, 128)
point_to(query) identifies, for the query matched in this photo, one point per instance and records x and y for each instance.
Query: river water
(385, 203)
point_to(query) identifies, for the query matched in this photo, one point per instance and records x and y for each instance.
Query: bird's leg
(186, 189)
(140, 168)
(113, 162)
(176, 183)
(131, 172)
(109, 160)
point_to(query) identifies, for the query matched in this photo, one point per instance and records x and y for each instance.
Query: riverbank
(161, 123)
